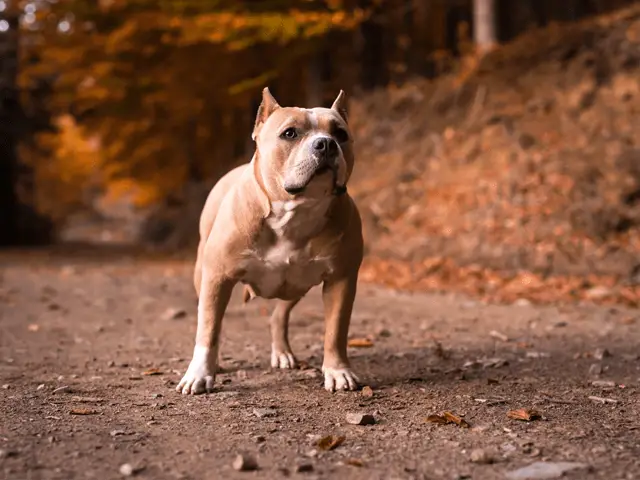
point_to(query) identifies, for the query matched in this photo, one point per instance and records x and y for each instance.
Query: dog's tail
(247, 294)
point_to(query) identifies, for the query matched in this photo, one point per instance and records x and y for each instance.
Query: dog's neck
(293, 218)
(299, 218)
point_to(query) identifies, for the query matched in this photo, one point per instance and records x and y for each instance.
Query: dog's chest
(280, 265)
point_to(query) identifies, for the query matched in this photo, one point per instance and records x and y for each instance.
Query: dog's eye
(341, 135)
(289, 133)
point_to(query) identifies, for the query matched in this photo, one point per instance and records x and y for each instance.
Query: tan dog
(280, 225)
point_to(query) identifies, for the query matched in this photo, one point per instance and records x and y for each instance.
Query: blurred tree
(165, 85)
(484, 18)
(151, 95)
(19, 221)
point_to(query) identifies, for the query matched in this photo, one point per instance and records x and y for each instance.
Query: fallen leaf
(354, 462)
(524, 414)
(152, 371)
(83, 411)
(437, 419)
(330, 442)
(360, 343)
(367, 392)
(453, 418)
(448, 417)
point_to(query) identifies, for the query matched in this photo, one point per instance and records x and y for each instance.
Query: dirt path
(95, 326)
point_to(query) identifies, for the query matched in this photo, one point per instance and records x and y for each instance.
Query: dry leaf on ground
(360, 343)
(83, 411)
(152, 371)
(448, 417)
(524, 414)
(354, 462)
(330, 442)
(437, 419)
(453, 418)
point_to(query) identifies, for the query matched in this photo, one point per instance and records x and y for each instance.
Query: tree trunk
(20, 224)
(372, 52)
(315, 90)
(484, 19)
(8, 135)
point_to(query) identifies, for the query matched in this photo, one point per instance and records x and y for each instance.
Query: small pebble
(40, 387)
(360, 419)
(7, 453)
(259, 439)
(126, 470)
(595, 369)
(384, 333)
(265, 412)
(601, 353)
(304, 467)
(481, 456)
(6, 386)
(245, 463)
(174, 314)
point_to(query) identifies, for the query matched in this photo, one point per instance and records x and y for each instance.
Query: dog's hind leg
(281, 354)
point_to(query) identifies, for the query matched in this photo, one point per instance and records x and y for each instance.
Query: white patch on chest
(281, 265)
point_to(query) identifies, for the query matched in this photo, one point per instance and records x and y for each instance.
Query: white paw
(339, 379)
(280, 359)
(199, 377)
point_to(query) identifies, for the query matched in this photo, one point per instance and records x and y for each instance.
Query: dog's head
(303, 152)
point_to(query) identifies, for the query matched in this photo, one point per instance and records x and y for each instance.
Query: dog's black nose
(325, 145)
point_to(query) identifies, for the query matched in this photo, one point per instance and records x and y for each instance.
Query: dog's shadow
(432, 366)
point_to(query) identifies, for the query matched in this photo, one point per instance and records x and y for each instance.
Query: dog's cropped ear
(340, 105)
(266, 108)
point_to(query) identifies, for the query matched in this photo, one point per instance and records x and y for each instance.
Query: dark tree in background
(9, 111)
(20, 224)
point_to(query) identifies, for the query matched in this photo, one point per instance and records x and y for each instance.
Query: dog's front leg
(215, 292)
(338, 296)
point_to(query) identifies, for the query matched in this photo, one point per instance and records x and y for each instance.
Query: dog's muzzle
(324, 157)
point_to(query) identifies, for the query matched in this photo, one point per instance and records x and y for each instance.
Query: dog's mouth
(321, 170)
